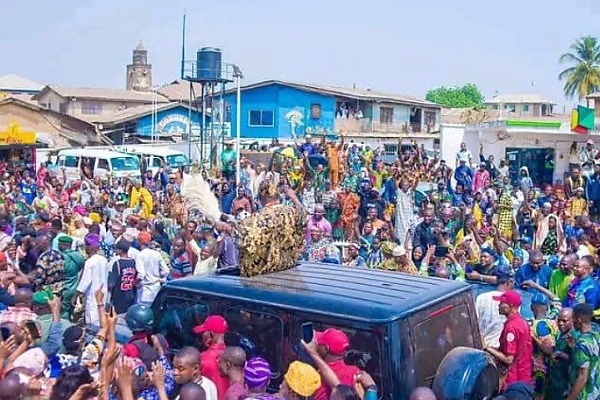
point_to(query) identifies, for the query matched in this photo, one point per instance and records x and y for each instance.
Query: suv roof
(357, 294)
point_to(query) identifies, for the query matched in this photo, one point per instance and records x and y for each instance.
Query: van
(153, 158)
(102, 163)
(404, 330)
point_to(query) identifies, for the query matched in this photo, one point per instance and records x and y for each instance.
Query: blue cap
(526, 240)
(504, 273)
(540, 299)
(552, 261)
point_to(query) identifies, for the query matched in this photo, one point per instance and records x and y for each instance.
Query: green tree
(468, 96)
(583, 77)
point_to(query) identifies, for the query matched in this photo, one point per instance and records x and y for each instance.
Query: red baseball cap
(510, 297)
(212, 323)
(334, 339)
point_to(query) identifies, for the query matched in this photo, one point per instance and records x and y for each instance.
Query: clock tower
(139, 72)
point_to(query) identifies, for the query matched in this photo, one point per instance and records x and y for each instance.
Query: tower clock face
(143, 80)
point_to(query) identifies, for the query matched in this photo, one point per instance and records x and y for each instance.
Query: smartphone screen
(4, 333)
(307, 332)
(441, 251)
(31, 326)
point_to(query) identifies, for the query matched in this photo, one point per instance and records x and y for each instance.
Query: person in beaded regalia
(272, 239)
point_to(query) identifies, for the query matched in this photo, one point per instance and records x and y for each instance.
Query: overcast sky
(405, 47)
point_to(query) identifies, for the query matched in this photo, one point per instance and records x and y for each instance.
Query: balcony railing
(365, 125)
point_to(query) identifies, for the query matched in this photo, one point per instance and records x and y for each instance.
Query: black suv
(405, 330)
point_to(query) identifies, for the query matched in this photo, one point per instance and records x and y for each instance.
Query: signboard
(15, 135)
(175, 123)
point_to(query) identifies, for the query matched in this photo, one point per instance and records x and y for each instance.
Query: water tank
(208, 62)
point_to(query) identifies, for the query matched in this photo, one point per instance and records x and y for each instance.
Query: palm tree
(583, 77)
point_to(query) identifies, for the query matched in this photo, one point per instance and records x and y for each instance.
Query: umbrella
(317, 159)
(290, 152)
(280, 156)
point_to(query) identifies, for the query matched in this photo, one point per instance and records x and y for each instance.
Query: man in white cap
(308, 148)
(587, 156)
(399, 262)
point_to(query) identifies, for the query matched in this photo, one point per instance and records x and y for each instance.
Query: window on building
(386, 115)
(525, 108)
(90, 107)
(510, 107)
(263, 330)
(494, 106)
(315, 111)
(63, 108)
(261, 118)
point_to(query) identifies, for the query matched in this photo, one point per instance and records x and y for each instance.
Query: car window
(71, 161)
(156, 162)
(176, 319)
(258, 333)
(102, 163)
(443, 330)
(364, 351)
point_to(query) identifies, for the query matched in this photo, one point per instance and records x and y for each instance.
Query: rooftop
(357, 294)
(472, 116)
(352, 93)
(134, 113)
(179, 90)
(14, 82)
(523, 98)
(102, 94)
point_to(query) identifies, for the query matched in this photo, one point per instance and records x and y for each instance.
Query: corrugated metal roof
(518, 99)
(351, 93)
(102, 94)
(135, 113)
(16, 82)
(358, 294)
(179, 90)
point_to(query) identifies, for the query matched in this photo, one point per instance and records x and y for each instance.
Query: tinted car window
(258, 333)
(71, 161)
(364, 351)
(434, 337)
(176, 319)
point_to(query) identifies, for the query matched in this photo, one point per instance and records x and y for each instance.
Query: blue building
(284, 110)
(135, 125)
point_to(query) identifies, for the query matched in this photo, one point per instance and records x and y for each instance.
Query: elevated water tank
(208, 62)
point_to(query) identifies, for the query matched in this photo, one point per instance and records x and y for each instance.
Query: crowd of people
(67, 248)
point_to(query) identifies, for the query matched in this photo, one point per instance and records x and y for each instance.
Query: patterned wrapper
(271, 240)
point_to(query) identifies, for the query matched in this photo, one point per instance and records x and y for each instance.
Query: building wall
(173, 121)
(316, 113)
(83, 108)
(533, 110)
(290, 108)
(39, 122)
(560, 142)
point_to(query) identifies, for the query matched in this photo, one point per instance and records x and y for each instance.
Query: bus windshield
(125, 163)
(177, 160)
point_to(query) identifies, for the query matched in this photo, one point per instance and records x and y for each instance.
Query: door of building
(539, 162)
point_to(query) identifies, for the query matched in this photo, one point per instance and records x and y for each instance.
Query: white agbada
(154, 272)
(95, 275)
(490, 321)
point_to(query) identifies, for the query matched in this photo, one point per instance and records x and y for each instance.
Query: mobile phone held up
(307, 332)
(33, 330)
(4, 333)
